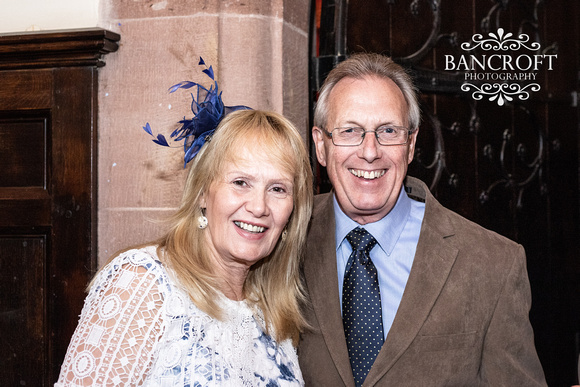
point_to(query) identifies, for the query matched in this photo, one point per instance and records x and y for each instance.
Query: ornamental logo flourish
(501, 75)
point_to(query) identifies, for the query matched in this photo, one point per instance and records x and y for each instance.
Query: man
(402, 290)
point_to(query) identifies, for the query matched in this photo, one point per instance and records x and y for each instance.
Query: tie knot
(361, 240)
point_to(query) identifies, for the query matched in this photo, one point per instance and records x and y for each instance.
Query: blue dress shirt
(397, 235)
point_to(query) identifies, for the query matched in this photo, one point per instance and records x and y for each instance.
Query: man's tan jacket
(463, 319)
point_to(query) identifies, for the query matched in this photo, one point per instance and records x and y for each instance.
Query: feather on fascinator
(208, 110)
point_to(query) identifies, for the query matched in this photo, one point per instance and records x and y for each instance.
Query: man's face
(367, 178)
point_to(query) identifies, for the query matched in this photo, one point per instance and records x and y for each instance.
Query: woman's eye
(281, 191)
(240, 183)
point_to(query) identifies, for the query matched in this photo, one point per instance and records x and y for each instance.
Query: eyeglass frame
(329, 134)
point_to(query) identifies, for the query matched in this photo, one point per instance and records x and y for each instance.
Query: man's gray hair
(361, 65)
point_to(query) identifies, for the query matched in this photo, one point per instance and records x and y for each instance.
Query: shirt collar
(386, 231)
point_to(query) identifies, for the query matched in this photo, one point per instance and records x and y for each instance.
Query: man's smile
(369, 175)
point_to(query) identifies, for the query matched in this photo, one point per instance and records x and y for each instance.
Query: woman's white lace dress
(138, 328)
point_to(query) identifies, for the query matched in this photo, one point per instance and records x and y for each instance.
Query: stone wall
(259, 53)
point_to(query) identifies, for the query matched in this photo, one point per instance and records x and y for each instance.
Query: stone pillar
(259, 53)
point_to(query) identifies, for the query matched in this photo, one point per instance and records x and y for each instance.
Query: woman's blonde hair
(273, 284)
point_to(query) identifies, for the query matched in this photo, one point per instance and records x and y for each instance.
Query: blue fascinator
(208, 110)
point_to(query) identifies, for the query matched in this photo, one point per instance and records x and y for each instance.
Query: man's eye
(387, 129)
(350, 130)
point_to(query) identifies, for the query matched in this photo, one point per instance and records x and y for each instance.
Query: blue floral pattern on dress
(154, 335)
(198, 350)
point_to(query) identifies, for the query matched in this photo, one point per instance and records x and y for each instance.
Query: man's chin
(368, 212)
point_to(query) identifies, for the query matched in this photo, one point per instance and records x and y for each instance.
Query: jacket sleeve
(509, 354)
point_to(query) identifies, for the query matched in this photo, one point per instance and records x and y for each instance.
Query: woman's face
(247, 208)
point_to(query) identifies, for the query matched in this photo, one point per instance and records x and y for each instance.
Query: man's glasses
(354, 136)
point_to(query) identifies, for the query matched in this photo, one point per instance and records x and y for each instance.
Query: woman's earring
(202, 220)
(284, 234)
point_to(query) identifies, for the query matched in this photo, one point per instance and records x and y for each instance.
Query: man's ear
(412, 142)
(318, 138)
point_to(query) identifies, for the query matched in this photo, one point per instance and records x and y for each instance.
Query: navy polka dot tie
(361, 305)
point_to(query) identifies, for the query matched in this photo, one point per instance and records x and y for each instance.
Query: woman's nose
(257, 204)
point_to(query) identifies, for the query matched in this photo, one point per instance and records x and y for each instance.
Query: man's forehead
(372, 98)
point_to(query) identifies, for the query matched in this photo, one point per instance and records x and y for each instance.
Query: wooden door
(48, 106)
(512, 168)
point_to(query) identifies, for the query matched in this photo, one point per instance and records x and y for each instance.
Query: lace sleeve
(119, 326)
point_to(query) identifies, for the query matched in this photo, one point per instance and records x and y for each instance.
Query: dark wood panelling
(48, 154)
(24, 149)
(23, 310)
(73, 200)
(26, 88)
(64, 48)
(18, 212)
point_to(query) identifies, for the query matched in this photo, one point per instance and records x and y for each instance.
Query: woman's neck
(232, 278)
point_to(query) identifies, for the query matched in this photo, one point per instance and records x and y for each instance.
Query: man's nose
(370, 147)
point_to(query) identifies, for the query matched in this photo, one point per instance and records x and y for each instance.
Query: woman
(216, 301)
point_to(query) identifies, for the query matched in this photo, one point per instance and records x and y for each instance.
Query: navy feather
(208, 110)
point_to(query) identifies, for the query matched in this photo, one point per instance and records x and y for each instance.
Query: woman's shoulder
(145, 256)
(143, 261)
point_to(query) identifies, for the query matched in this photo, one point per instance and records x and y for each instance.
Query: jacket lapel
(321, 276)
(433, 261)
